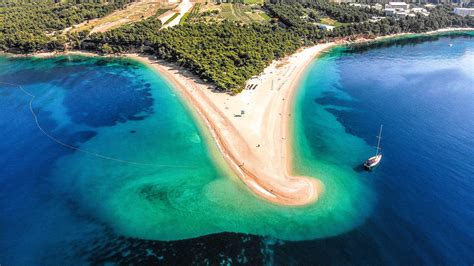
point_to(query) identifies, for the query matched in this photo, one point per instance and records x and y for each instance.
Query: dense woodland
(291, 12)
(28, 26)
(343, 12)
(122, 39)
(226, 53)
(441, 17)
(215, 52)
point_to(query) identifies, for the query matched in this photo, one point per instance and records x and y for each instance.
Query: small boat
(450, 45)
(373, 161)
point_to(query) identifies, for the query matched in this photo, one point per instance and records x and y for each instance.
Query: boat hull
(373, 162)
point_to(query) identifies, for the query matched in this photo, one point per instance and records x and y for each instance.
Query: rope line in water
(105, 157)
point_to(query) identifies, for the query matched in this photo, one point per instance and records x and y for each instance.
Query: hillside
(223, 43)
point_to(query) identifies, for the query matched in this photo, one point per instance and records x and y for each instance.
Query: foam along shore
(251, 128)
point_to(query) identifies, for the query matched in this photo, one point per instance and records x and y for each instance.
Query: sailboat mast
(378, 142)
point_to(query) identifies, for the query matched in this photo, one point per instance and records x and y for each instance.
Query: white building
(464, 11)
(418, 10)
(325, 27)
(398, 5)
(359, 5)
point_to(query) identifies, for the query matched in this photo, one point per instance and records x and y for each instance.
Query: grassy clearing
(171, 18)
(161, 11)
(332, 22)
(253, 2)
(227, 12)
(184, 18)
(255, 16)
(133, 12)
(264, 15)
(211, 13)
(194, 14)
(240, 12)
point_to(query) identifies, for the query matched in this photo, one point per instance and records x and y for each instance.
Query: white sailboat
(375, 160)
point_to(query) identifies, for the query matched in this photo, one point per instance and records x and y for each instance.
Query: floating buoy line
(72, 147)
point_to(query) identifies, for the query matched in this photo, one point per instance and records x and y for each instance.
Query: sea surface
(102, 162)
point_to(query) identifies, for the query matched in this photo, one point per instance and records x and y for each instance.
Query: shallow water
(115, 150)
(147, 170)
(422, 91)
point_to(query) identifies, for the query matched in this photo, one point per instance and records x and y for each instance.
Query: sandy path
(109, 25)
(256, 144)
(184, 7)
(133, 12)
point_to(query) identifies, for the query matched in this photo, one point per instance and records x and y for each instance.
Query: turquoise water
(116, 150)
(117, 165)
(422, 90)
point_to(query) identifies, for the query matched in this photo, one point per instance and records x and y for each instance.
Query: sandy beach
(251, 128)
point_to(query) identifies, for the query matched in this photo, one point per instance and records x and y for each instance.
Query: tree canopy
(225, 53)
(28, 26)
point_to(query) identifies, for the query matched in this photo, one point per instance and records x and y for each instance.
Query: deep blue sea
(57, 208)
(422, 90)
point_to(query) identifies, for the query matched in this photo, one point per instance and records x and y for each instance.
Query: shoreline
(256, 143)
(241, 148)
(364, 40)
(295, 190)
